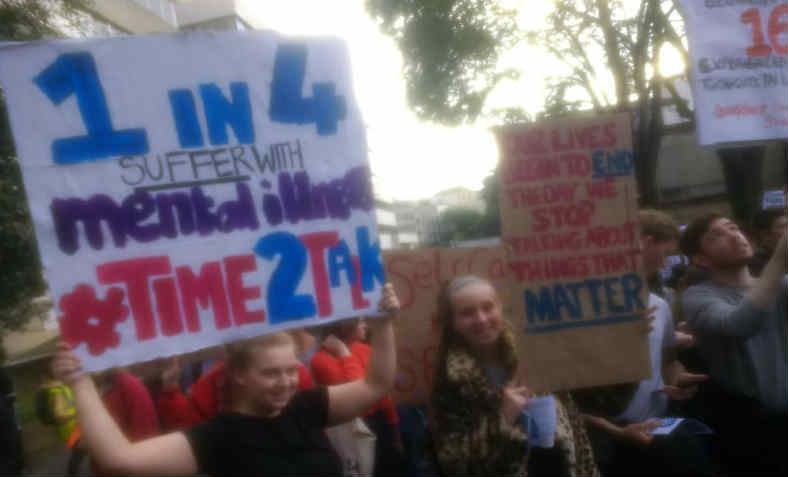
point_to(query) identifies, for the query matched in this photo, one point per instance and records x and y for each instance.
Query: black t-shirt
(293, 443)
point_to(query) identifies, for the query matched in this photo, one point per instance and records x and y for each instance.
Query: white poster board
(193, 189)
(739, 68)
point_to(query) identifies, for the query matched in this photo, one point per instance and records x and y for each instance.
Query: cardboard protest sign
(739, 68)
(417, 276)
(193, 189)
(568, 213)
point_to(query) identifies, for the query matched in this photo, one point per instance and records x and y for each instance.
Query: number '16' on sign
(776, 25)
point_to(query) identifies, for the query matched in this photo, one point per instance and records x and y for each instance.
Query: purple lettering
(194, 211)
(67, 212)
(182, 204)
(295, 194)
(238, 214)
(140, 206)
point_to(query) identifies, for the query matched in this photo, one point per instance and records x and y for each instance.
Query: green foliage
(491, 190)
(457, 224)
(20, 267)
(610, 48)
(511, 115)
(451, 50)
(27, 20)
(628, 36)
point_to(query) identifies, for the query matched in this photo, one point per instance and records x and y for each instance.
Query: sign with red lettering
(417, 276)
(568, 215)
(193, 189)
(739, 53)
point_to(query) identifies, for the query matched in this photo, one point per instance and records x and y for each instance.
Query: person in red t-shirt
(344, 357)
(130, 404)
(175, 409)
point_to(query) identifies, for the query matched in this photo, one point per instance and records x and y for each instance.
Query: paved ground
(55, 463)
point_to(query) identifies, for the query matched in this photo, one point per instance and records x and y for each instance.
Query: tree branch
(613, 52)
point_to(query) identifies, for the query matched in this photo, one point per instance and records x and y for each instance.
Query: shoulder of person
(659, 302)
(702, 287)
(359, 347)
(322, 356)
(126, 378)
(310, 407)
(701, 291)
(309, 398)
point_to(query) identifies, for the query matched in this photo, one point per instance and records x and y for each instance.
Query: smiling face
(723, 246)
(476, 314)
(270, 379)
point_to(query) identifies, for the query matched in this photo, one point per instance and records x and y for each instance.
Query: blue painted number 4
(324, 108)
(75, 73)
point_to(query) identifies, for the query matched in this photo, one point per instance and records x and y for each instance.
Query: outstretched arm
(353, 399)
(770, 284)
(637, 433)
(169, 454)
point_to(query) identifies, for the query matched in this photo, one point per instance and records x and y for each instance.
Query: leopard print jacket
(470, 437)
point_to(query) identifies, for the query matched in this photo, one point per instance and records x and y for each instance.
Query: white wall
(137, 16)
(386, 217)
(408, 238)
(386, 240)
(198, 11)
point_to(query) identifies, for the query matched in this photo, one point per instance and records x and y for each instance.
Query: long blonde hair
(450, 339)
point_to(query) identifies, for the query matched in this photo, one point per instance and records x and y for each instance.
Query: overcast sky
(409, 158)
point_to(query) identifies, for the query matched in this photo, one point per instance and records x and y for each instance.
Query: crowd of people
(717, 341)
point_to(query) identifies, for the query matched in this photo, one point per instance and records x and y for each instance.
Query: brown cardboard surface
(569, 219)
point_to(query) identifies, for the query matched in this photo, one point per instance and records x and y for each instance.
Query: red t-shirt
(131, 405)
(176, 411)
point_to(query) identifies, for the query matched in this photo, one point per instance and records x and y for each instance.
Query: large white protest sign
(739, 68)
(193, 189)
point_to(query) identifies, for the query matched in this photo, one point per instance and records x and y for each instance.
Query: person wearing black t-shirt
(269, 429)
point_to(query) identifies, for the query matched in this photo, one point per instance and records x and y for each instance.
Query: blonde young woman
(476, 409)
(268, 430)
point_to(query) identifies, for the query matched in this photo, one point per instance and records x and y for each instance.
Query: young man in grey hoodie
(740, 329)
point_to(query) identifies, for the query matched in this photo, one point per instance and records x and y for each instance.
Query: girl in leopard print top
(477, 426)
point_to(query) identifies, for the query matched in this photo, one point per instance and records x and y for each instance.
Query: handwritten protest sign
(568, 214)
(739, 68)
(193, 189)
(773, 198)
(417, 276)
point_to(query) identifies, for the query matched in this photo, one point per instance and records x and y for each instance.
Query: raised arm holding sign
(263, 375)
